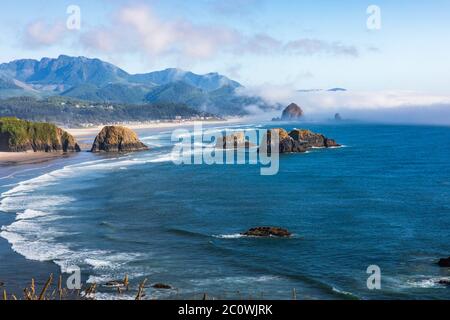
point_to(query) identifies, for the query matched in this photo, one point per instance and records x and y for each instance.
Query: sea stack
(234, 141)
(299, 140)
(22, 136)
(292, 113)
(117, 139)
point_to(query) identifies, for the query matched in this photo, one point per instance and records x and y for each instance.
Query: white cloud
(315, 46)
(138, 29)
(39, 33)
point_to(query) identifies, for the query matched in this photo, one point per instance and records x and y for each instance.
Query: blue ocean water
(382, 199)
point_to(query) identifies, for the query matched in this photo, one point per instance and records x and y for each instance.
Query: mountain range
(99, 81)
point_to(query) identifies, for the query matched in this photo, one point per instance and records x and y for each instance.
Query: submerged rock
(20, 136)
(444, 262)
(161, 286)
(267, 232)
(444, 282)
(292, 113)
(117, 139)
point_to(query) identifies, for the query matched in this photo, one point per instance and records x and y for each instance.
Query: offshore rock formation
(314, 140)
(267, 232)
(21, 136)
(117, 139)
(298, 141)
(292, 113)
(233, 141)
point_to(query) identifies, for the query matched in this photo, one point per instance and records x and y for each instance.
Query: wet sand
(21, 158)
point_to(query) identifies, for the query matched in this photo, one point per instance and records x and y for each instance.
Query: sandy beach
(85, 137)
(92, 131)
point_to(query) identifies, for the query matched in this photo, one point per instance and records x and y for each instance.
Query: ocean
(382, 199)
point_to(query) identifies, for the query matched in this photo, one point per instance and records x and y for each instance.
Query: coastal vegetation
(72, 113)
(18, 135)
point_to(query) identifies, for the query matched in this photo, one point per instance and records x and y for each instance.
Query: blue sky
(301, 44)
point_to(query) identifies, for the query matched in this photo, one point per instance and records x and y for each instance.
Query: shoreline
(80, 133)
(84, 137)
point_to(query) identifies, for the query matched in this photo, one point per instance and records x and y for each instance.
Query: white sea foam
(32, 234)
(342, 292)
(166, 157)
(30, 214)
(36, 249)
(229, 236)
(432, 282)
(233, 280)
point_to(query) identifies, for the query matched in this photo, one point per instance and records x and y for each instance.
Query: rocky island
(24, 136)
(117, 139)
(267, 232)
(233, 141)
(295, 141)
(299, 140)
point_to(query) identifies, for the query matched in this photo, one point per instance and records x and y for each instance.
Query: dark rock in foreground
(161, 286)
(444, 262)
(292, 112)
(117, 139)
(444, 282)
(21, 136)
(267, 232)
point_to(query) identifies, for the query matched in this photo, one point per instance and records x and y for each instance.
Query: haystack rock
(292, 113)
(117, 139)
